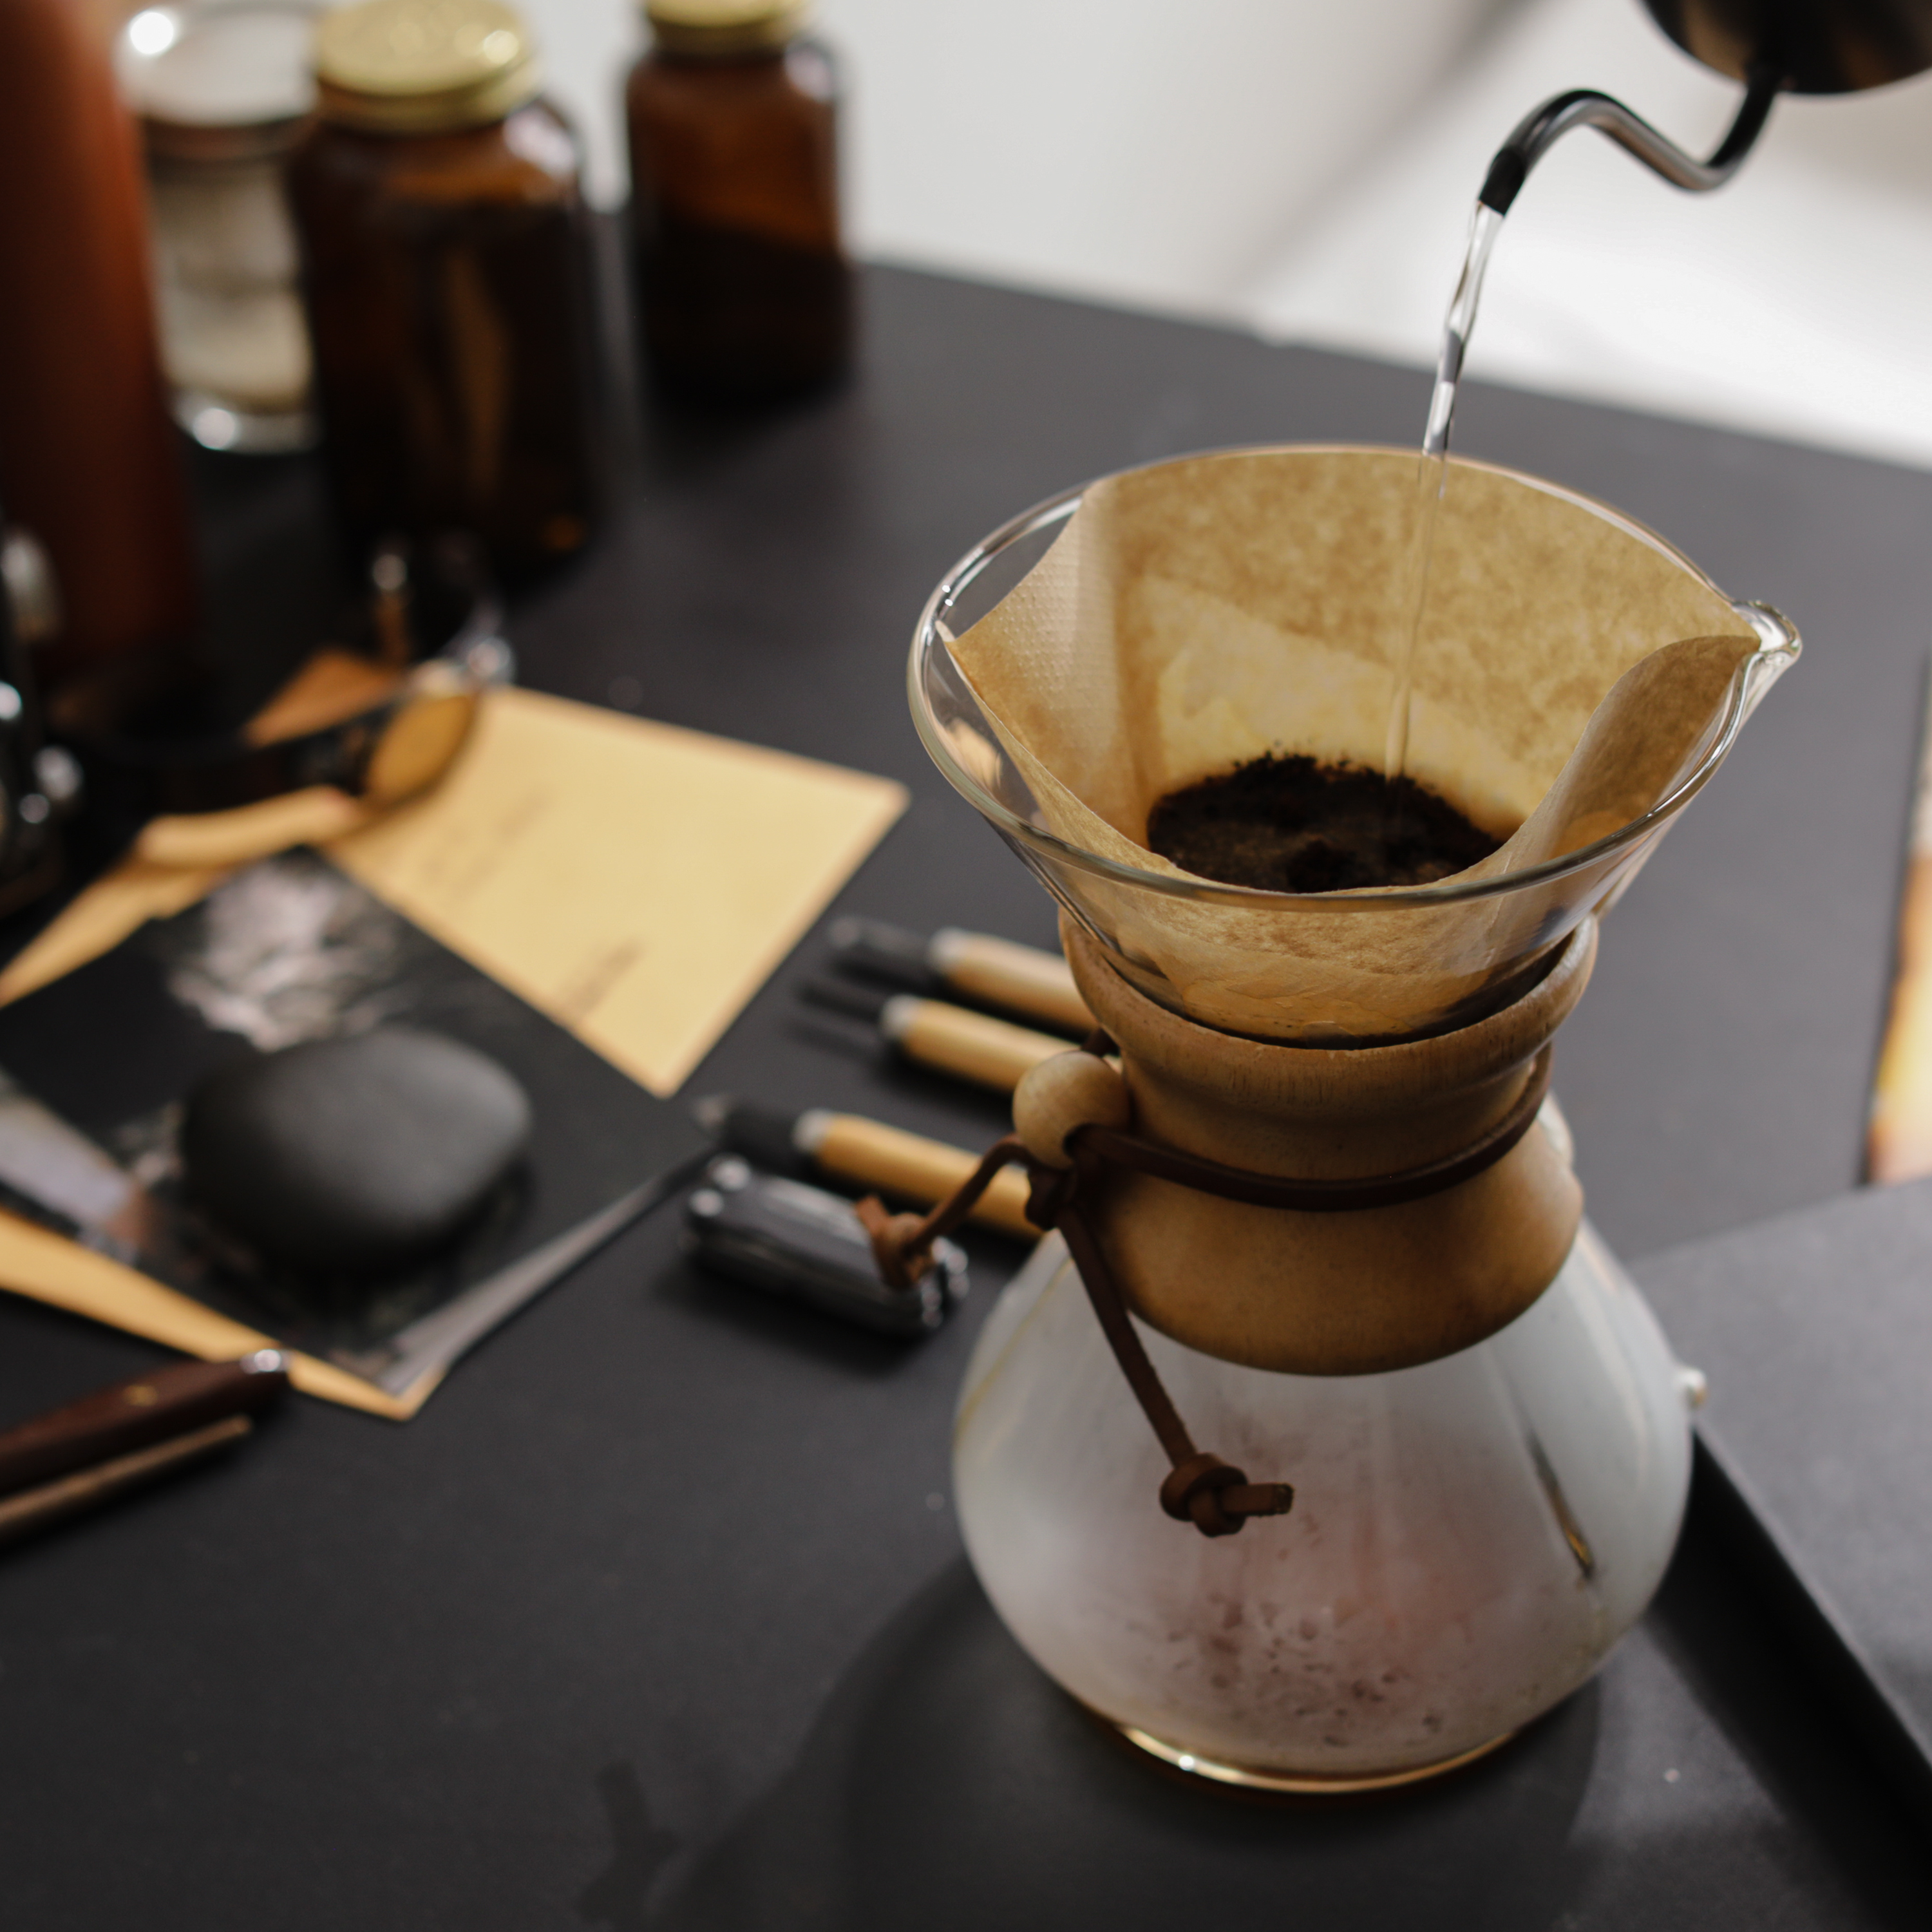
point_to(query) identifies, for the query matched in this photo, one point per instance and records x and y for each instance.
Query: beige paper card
(636, 882)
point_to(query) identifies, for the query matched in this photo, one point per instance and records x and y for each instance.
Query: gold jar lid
(423, 67)
(725, 26)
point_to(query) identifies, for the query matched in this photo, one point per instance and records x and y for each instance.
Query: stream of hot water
(1582, 107)
(1432, 475)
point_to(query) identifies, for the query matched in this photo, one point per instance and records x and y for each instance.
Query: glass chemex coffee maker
(1323, 1445)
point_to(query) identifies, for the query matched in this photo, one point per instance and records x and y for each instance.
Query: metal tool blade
(433, 1345)
(53, 1172)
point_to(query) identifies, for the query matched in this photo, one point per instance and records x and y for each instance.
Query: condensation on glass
(1470, 1537)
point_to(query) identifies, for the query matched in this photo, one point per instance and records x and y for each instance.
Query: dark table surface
(657, 1615)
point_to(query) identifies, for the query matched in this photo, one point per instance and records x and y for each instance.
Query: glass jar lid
(423, 67)
(219, 83)
(725, 26)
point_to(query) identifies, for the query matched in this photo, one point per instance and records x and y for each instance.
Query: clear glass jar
(223, 92)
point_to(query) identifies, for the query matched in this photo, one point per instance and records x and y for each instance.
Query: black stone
(353, 1156)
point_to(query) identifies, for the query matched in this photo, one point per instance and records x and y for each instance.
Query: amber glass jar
(744, 287)
(446, 275)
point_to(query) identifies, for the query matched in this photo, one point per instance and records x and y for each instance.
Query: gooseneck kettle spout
(1803, 46)
(1585, 107)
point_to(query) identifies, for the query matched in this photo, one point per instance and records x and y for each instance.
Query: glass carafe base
(1251, 1778)
(1470, 1537)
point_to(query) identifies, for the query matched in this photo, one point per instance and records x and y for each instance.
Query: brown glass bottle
(446, 275)
(88, 457)
(744, 287)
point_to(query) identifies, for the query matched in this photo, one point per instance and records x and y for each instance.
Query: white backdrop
(1159, 151)
(1795, 301)
(1307, 168)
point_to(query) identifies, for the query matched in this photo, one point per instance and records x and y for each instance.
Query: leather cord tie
(1199, 1488)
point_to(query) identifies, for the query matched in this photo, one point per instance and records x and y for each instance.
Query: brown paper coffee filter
(1571, 671)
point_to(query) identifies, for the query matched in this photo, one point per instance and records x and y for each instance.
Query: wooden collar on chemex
(1071, 1116)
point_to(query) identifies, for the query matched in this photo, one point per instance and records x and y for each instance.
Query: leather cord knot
(1053, 1190)
(1215, 1497)
(902, 1243)
(903, 1257)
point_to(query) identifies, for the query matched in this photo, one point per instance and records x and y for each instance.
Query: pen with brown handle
(822, 1144)
(936, 1033)
(85, 1453)
(1021, 979)
(1898, 1145)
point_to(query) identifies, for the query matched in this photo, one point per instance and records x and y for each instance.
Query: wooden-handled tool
(80, 1454)
(975, 965)
(949, 1039)
(820, 1143)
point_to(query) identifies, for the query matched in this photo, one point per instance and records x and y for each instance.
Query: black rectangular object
(1815, 1330)
(794, 1239)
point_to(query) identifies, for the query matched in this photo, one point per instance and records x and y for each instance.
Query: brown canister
(87, 459)
(446, 275)
(743, 286)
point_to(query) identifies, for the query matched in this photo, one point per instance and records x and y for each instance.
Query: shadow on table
(949, 1784)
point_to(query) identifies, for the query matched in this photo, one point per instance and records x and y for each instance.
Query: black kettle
(1816, 46)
